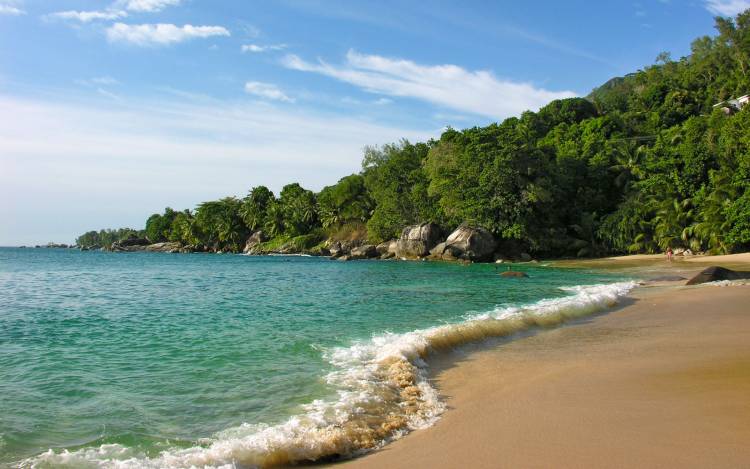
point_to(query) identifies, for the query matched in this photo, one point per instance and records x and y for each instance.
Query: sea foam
(382, 393)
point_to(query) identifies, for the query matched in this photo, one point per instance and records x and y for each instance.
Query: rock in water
(388, 247)
(715, 274)
(164, 247)
(417, 240)
(130, 244)
(513, 274)
(254, 240)
(667, 278)
(470, 243)
(366, 251)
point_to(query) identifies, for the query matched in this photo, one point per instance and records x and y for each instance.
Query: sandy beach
(662, 380)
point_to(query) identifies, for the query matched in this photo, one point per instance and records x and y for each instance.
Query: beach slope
(662, 381)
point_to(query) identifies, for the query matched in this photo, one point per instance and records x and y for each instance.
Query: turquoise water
(131, 356)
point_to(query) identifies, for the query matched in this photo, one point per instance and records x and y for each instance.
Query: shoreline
(659, 380)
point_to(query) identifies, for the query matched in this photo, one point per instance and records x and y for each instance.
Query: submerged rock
(715, 274)
(417, 240)
(513, 274)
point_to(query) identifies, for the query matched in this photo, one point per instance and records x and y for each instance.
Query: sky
(111, 110)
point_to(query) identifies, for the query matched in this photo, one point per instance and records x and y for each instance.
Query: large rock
(130, 244)
(417, 240)
(388, 247)
(336, 249)
(468, 243)
(164, 247)
(366, 251)
(715, 274)
(254, 240)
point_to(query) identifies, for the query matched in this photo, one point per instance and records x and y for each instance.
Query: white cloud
(160, 34)
(87, 16)
(11, 8)
(108, 163)
(267, 91)
(258, 48)
(727, 7)
(116, 11)
(478, 92)
(149, 6)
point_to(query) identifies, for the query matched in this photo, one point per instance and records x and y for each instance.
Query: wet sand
(661, 381)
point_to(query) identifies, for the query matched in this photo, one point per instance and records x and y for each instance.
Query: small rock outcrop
(254, 240)
(417, 240)
(342, 248)
(715, 274)
(466, 243)
(164, 247)
(130, 244)
(366, 251)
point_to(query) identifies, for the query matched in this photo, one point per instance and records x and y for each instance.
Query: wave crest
(382, 394)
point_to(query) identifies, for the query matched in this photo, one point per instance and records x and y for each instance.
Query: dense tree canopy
(645, 162)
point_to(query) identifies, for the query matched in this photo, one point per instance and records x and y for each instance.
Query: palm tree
(628, 158)
(713, 224)
(672, 223)
(274, 224)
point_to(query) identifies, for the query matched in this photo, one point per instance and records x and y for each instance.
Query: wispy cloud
(88, 16)
(478, 92)
(259, 48)
(104, 153)
(267, 91)
(727, 7)
(11, 8)
(149, 6)
(99, 81)
(160, 34)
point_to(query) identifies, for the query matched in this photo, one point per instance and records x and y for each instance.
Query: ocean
(178, 360)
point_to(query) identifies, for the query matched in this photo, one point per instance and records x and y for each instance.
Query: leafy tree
(221, 225)
(299, 209)
(255, 206)
(346, 202)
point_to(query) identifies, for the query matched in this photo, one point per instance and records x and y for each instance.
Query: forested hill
(643, 163)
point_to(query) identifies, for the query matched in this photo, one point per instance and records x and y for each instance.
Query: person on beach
(669, 254)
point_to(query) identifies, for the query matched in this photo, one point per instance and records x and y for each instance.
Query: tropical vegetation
(644, 163)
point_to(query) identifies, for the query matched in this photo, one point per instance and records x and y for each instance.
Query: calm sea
(155, 360)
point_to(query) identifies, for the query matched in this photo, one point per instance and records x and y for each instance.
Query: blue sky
(112, 110)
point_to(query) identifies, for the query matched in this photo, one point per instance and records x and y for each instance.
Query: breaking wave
(382, 393)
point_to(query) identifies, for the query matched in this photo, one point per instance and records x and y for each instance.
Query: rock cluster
(164, 247)
(130, 245)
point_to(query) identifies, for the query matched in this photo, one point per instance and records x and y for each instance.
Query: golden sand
(663, 381)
